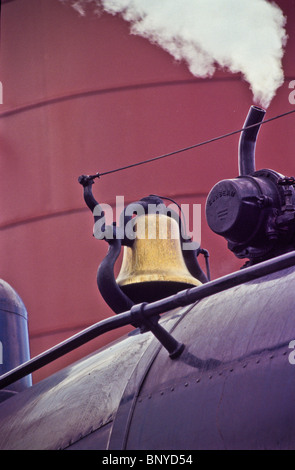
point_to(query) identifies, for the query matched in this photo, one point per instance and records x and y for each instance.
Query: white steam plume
(246, 36)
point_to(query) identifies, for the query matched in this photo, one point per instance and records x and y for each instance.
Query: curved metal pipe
(106, 282)
(248, 141)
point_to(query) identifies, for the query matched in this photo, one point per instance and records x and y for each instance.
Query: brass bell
(154, 266)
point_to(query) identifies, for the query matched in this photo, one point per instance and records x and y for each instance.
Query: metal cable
(175, 152)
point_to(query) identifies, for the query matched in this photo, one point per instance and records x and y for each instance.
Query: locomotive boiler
(209, 364)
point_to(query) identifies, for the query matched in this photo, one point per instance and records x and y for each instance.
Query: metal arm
(106, 282)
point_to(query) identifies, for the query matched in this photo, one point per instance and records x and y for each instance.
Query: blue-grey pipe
(248, 139)
(14, 337)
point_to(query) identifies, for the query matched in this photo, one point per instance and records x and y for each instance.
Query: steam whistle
(254, 212)
(152, 267)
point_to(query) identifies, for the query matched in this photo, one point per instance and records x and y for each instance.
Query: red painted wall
(81, 95)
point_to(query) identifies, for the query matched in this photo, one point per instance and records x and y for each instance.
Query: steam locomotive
(209, 363)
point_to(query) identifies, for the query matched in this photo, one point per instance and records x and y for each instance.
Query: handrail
(139, 315)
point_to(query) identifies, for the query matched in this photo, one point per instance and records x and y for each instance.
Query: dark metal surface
(121, 425)
(76, 402)
(232, 387)
(13, 336)
(248, 406)
(97, 439)
(73, 403)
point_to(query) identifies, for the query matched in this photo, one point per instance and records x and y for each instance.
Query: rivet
(186, 384)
